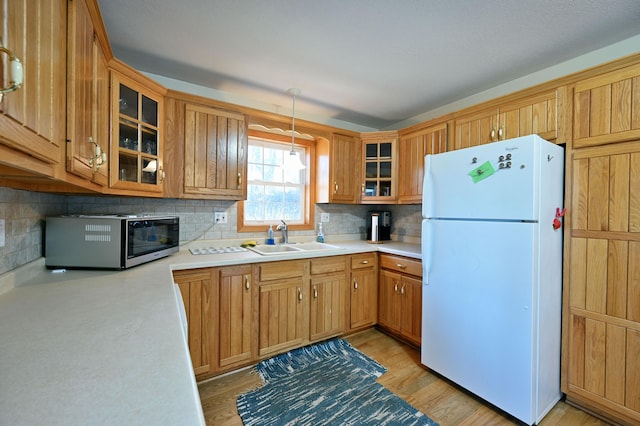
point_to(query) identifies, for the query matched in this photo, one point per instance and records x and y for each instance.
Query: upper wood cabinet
(412, 148)
(338, 169)
(606, 108)
(215, 153)
(32, 123)
(536, 114)
(87, 98)
(379, 167)
(137, 112)
(208, 147)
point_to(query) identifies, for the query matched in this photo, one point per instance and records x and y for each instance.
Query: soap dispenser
(271, 239)
(320, 236)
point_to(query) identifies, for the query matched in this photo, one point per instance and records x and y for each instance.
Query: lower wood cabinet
(363, 291)
(400, 297)
(283, 306)
(328, 299)
(196, 286)
(237, 307)
(221, 306)
(240, 314)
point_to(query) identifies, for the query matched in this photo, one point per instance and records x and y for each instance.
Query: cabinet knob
(239, 180)
(335, 187)
(402, 289)
(355, 284)
(500, 132)
(161, 174)
(493, 134)
(315, 292)
(16, 73)
(299, 294)
(395, 287)
(247, 282)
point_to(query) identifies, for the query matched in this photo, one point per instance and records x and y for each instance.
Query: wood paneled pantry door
(602, 363)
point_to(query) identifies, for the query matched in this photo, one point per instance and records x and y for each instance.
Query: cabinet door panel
(606, 108)
(344, 169)
(87, 98)
(33, 117)
(411, 151)
(389, 314)
(199, 300)
(215, 143)
(411, 324)
(327, 313)
(282, 314)
(364, 298)
(235, 343)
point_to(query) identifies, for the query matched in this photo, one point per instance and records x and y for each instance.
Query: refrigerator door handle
(427, 189)
(427, 250)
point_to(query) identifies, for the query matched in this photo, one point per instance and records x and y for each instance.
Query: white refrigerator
(492, 272)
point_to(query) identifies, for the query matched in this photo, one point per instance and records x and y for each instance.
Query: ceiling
(371, 63)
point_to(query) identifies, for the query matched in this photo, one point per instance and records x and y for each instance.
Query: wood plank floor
(444, 402)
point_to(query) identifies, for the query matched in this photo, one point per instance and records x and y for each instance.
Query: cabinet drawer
(366, 260)
(280, 270)
(328, 265)
(401, 264)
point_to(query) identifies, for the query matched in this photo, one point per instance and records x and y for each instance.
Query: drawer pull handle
(364, 262)
(402, 290)
(247, 282)
(299, 294)
(315, 292)
(395, 287)
(401, 266)
(355, 284)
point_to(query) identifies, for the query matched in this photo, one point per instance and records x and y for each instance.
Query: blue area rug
(330, 383)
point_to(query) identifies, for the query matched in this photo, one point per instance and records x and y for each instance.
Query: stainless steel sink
(293, 248)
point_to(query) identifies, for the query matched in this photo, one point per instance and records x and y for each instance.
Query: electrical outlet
(324, 217)
(220, 217)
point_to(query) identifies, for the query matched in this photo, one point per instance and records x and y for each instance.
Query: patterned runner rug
(330, 383)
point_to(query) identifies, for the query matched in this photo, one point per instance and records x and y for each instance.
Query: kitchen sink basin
(277, 249)
(316, 246)
(266, 250)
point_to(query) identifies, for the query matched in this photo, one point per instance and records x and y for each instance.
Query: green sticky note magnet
(482, 172)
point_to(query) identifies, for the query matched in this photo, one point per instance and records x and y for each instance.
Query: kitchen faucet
(285, 232)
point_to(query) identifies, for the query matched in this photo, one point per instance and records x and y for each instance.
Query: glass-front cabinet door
(379, 158)
(136, 142)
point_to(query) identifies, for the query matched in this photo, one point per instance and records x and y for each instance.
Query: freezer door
(493, 181)
(479, 308)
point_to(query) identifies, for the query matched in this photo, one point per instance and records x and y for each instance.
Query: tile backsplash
(24, 213)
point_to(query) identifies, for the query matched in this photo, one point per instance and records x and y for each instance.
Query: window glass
(274, 192)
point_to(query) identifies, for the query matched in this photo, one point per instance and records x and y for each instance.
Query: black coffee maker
(384, 225)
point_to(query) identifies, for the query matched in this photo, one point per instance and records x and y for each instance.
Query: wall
(25, 212)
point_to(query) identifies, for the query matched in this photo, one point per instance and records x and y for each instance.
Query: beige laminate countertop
(107, 347)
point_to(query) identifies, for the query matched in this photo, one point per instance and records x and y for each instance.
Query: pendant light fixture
(292, 161)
